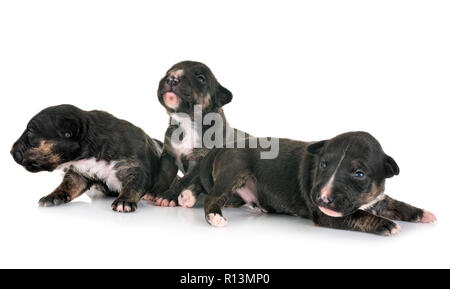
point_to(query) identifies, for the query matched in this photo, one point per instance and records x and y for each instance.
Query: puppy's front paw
(167, 199)
(187, 199)
(427, 217)
(148, 197)
(54, 200)
(124, 205)
(216, 220)
(387, 228)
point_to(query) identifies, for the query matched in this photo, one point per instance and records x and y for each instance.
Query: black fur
(292, 182)
(60, 135)
(190, 83)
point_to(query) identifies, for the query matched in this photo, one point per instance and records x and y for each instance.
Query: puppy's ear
(67, 127)
(223, 96)
(316, 147)
(390, 167)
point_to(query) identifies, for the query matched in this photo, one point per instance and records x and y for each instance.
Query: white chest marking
(190, 136)
(99, 170)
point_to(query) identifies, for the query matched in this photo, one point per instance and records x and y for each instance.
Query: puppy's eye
(359, 174)
(201, 78)
(67, 134)
(323, 164)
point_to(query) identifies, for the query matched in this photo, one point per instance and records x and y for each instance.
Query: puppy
(185, 86)
(93, 148)
(338, 183)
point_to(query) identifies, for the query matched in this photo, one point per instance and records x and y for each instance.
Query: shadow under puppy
(338, 183)
(189, 91)
(93, 148)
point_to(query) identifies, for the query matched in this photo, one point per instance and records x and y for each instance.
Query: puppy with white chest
(338, 183)
(94, 149)
(189, 92)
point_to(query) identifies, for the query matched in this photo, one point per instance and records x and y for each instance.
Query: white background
(305, 70)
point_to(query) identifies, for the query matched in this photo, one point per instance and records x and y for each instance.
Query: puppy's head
(51, 138)
(349, 173)
(190, 83)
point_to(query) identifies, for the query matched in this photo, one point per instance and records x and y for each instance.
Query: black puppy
(94, 149)
(186, 86)
(338, 183)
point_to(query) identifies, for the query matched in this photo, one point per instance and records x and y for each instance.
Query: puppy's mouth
(171, 100)
(330, 212)
(34, 168)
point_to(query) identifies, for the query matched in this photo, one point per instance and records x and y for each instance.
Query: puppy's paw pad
(148, 197)
(216, 220)
(187, 199)
(123, 206)
(428, 217)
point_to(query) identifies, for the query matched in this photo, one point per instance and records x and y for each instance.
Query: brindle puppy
(93, 148)
(185, 85)
(338, 183)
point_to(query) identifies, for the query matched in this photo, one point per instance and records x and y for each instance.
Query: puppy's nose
(172, 81)
(324, 199)
(17, 156)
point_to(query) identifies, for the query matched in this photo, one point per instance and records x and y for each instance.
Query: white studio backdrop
(305, 70)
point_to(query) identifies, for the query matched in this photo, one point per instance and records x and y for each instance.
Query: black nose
(172, 81)
(18, 157)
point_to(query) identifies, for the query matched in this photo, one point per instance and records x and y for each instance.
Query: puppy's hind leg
(213, 210)
(72, 186)
(219, 196)
(396, 210)
(132, 191)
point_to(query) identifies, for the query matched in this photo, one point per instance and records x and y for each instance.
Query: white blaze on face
(325, 192)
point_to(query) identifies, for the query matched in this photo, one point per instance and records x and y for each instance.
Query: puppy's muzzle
(17, 156)
(326, 204)
(17, 151)
(30, 165)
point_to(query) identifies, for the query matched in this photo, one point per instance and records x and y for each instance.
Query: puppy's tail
(206, 168)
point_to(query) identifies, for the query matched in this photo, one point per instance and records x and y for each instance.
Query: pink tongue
(171, 100)
(329, 212)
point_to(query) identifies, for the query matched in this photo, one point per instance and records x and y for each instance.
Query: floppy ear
(390, 167)
(65, 125)
(316, 147)
(223, 96)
